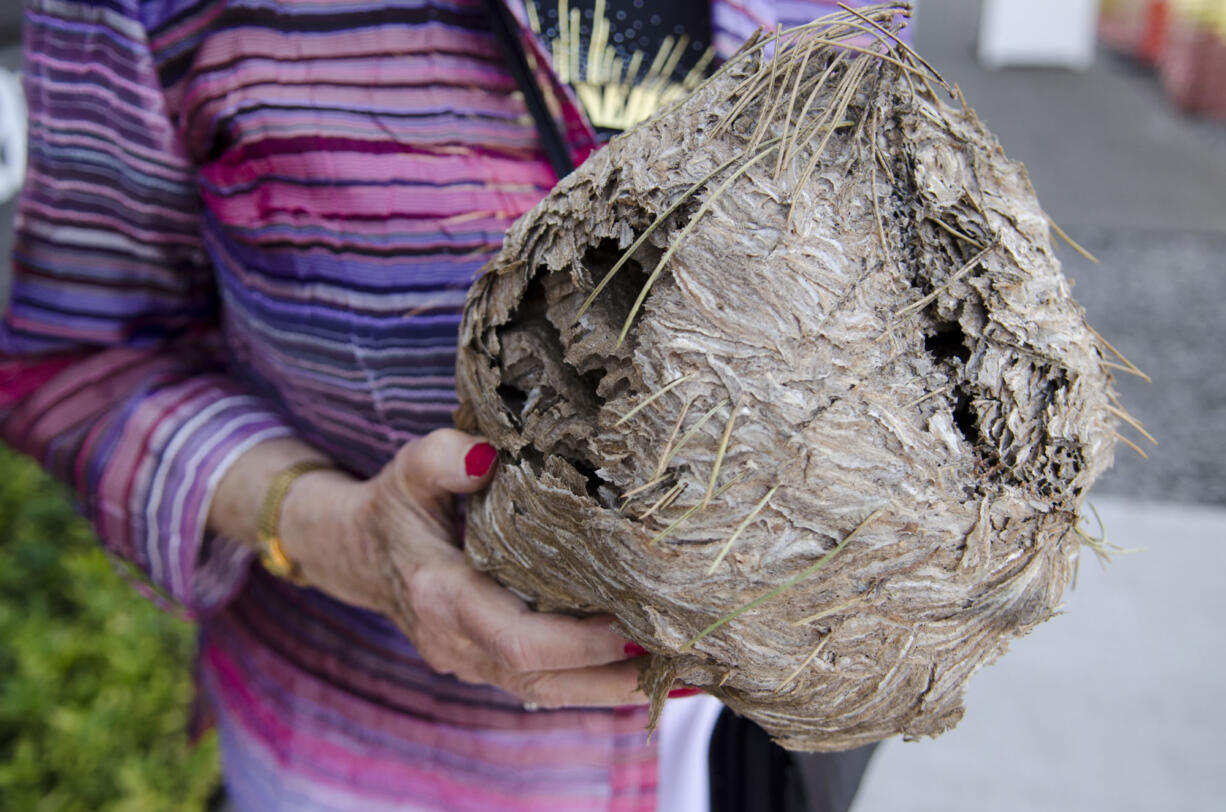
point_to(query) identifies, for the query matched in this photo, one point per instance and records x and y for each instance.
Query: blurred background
(1118, 109)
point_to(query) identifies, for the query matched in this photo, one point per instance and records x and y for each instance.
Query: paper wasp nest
(836, 463)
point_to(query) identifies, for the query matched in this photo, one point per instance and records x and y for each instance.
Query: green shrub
(95, 681)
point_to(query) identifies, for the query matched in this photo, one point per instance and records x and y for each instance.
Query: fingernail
(680, 693)
(479, 459)
(633, 649)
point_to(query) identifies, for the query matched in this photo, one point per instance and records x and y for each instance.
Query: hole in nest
(514, 399)
(1054, 388)
(614, 387)
(552, 401)
(618, 296)
(592, 379)
(947, 343)
(594, 482)
(526, 340)
(964, 416)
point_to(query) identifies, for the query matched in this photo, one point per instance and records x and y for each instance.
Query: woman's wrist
(321, 534)
(238, 503)
(317, 523)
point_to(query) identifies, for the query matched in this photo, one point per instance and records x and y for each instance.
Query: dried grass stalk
(830, 240)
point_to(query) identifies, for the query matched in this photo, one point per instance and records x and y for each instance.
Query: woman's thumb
(446, 462)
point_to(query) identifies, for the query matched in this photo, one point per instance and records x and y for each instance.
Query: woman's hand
(389, 544)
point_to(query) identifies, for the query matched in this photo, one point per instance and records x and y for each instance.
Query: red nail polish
(633, 649)
(479, 459)
(681, 693)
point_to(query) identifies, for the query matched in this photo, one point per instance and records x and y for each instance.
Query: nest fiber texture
(837, 461)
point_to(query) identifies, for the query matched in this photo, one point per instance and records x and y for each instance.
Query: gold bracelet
(272, 555)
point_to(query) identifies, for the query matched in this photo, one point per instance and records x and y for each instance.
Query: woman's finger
(598, 686)
(521, 640)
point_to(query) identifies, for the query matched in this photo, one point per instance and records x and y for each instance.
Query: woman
(242, 252)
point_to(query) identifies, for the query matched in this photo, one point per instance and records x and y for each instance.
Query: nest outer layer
(943, 384)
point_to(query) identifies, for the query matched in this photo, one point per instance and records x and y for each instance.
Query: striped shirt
(245, 219)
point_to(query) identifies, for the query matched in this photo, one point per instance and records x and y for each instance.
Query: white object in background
(684, 733)
(12, 135)
(1058, 33)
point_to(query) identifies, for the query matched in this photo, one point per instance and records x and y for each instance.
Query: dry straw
(789, 380)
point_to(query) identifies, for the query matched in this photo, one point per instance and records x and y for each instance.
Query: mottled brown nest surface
(838, 460)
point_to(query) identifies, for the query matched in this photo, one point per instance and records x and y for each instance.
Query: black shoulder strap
(506, 29)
